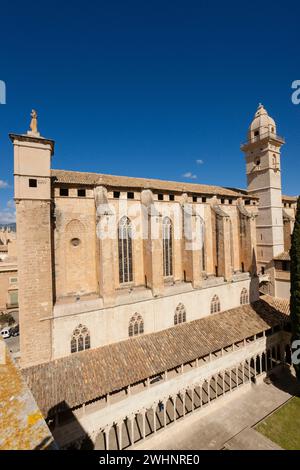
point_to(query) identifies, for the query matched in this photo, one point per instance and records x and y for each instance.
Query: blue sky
(148, 88)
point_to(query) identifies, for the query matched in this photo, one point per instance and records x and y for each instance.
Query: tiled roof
(285, 256)
(93, 179)
(22, 426)
(84, 376)
(289, 198)
(281, 305)
(4, 248)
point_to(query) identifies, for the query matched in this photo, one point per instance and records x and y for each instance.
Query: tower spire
(262, 154)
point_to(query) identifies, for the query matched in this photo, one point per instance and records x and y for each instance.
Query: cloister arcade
(188, 391)
(134, 428)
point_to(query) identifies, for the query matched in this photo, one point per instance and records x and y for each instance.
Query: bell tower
(32, 181)
(262, 154)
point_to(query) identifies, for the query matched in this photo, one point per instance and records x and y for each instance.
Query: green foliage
(295, 281)
(282, 427)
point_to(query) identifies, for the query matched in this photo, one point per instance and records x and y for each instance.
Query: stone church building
(137, 294)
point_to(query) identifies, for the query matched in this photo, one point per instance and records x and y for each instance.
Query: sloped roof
(280, 304)
(22, 426)
(285, 256)
(93, 179)
(86, 375)
(289, 198)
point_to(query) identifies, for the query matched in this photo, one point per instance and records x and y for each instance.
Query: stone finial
(33, 124)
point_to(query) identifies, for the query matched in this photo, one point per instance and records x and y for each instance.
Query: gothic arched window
(125, 251)
(215, 305)
(167, 247)
(80, 339)
(136, 325)
(244, 298)
(180, 314)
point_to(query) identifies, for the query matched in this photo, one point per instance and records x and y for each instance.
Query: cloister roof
(87, 375)
(93, 179)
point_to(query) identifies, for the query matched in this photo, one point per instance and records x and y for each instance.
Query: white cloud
(7, 217)
(8, 214)
(189, 175)
(3, 184)
(200, 162)
(11, 204)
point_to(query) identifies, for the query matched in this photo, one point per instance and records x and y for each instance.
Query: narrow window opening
(81, 192)
(63, 192)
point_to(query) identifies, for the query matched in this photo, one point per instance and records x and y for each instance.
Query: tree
(295, 282)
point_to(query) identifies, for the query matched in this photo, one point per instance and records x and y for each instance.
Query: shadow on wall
(61, 416)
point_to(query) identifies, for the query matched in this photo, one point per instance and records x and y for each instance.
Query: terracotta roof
(285, 256)
(84, 376)
(22, 426)
(289, 198)
(280, 304)
(93, 179)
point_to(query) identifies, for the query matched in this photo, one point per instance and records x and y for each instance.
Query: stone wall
(109, 325)
(35, 280)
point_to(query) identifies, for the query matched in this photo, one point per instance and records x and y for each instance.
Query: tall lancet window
(125, 251)
(80, 339)
(167, 247)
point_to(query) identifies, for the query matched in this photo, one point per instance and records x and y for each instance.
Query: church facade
(105, 261)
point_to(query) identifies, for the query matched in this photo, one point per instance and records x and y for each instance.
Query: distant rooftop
(284, 256)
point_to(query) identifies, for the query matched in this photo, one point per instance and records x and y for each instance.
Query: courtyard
(283, 426)
(231, 424)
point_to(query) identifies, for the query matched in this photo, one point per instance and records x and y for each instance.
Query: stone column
(154, 417)
(247, 238)
(183, 403)
(260, 363)
(132, 419)
(174, 406)
(192, 247)
(208, 390)
(152, 243)
(107, 233)
(119, 425)
(165, 412)
(223, 241)
(144, 413)
(106, 435)
(192, 398)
